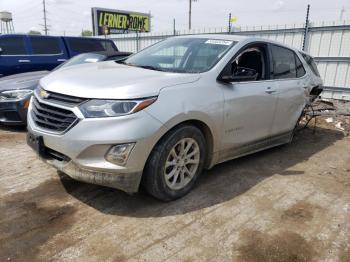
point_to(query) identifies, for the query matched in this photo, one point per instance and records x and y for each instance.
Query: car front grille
(52, 118)
(63, 99)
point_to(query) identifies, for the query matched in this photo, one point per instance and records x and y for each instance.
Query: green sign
(107, 21)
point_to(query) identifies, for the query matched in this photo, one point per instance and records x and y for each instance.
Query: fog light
(119, 154)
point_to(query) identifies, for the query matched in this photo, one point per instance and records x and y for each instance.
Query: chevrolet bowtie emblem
(44, 94)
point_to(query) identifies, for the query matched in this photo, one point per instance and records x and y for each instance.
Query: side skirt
(255, 146)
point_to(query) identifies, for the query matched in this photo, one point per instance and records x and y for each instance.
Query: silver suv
(161, 116)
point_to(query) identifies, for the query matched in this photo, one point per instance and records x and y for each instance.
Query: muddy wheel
(175, 163)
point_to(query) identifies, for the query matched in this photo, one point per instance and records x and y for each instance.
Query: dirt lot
(290, 203)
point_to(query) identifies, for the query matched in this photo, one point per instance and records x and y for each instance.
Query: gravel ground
(290, 203)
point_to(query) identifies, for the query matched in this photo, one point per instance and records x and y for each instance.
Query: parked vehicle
(167, 112)
(16, 90)
(26, 53)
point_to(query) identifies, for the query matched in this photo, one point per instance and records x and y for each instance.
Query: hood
(110, 80)
(21, 81)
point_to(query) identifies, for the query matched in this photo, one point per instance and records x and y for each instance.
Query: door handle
(23, 61)
(269, 90)
(61, 60)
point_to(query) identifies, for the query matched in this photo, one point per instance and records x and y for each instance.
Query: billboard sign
(108, 21)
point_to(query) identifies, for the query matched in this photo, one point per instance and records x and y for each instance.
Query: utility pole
(342, 13)
(306, 31)
(45, 24)
(190, 14)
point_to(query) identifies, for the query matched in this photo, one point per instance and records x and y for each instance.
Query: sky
(70, 17)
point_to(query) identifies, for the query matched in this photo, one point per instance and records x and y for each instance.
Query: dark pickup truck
(26, 53)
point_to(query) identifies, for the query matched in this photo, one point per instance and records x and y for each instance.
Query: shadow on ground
(220, 184)
(13, 128)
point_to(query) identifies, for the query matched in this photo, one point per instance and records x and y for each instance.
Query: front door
(47, 52)
(249, 104)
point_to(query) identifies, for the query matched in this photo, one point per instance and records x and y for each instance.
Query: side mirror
(241, 74)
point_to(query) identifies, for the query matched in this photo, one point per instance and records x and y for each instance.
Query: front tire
(175, 163)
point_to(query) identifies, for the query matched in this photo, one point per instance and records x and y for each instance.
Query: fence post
(306, 31)
(137, 41)
(229, 23)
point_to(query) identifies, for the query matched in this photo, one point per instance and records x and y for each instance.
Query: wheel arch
(208, 136)
(206, 131)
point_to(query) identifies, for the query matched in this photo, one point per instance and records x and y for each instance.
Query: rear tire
(175, 163)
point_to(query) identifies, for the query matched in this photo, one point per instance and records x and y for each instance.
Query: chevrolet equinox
(161, 116)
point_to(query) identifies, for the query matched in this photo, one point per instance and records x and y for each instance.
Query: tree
(34, 32)
(86, 33)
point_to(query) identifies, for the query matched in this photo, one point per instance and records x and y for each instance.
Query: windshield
(183, 55)
(82, 59)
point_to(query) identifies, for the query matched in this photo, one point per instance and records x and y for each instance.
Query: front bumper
(83, 148)
(14, 113)
(128, 182)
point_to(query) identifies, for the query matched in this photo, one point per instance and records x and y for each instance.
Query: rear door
(47, 52)
(291, 86)
(14, 58)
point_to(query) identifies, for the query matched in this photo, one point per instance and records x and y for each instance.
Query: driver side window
(250, 64)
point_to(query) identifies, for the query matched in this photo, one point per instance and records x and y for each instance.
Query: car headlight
(111, 108)
(14, 95)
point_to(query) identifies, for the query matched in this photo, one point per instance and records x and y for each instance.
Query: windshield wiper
(150, 67)
(177, 70)
(173, 70)
(143, 66)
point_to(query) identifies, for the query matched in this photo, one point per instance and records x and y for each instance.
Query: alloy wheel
(182, 163)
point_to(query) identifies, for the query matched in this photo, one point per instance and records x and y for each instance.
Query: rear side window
(45, 45)
(285, 63)
(13, 45)
(109, 46)
(85, 45)
(300, 68)
(311, 62)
